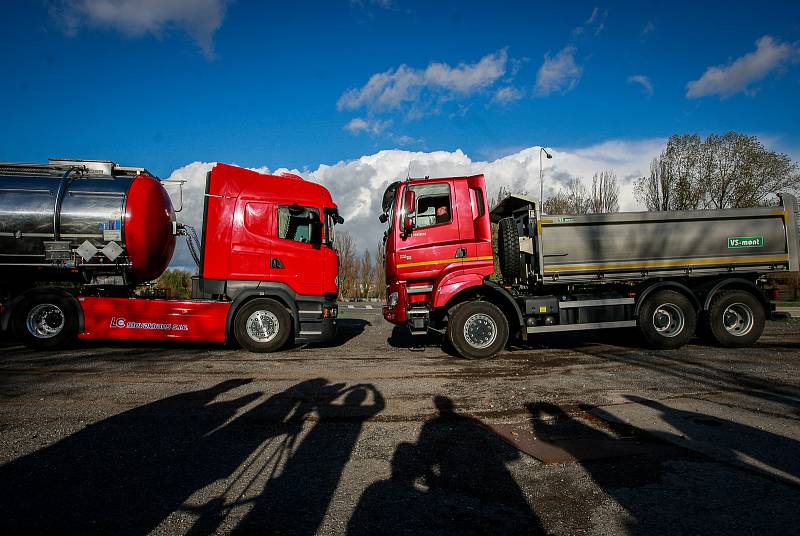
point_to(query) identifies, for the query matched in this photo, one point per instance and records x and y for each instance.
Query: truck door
(434, 244)
(296, 258)
(474, 225)
(250, 241)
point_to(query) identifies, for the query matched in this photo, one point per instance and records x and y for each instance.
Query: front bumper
(317, 327)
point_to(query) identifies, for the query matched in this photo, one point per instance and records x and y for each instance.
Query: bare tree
(348, 265)
(502, 193)
(366, 276)
(605, 192)
(379, 279)
(573, 199)
(728, 171)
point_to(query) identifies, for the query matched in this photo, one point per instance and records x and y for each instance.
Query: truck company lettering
(745, 242)
(122, 323)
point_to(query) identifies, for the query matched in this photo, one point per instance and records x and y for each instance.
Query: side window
(300, 224)
(255, 218)
(433, 205)
(479, 201)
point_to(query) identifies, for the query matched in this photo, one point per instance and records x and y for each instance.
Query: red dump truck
(668, 273)
(78, 236)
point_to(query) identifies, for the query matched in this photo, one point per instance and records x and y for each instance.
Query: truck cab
(272, 237)
(438, 244)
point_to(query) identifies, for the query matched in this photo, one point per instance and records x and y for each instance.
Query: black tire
(266, 317)
(46, 321)
(667, 320)
(742, 313)
(486, 323)
(508, 249)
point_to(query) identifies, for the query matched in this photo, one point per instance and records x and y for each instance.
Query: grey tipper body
(635, 245)
(48, 211)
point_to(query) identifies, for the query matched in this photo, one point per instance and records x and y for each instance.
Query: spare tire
(508, 249)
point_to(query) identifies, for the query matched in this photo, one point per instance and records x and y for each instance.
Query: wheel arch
(666, 285)
(280, 295)
(10, 307)
(735, 283)
(495, 294)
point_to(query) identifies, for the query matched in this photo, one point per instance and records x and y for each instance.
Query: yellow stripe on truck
(445, 261)
(662, 264)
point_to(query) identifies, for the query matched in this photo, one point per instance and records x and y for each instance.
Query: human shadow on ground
(126, 474)
(453, 480)
(678, 490)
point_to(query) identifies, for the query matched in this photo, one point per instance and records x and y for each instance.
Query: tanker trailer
(89, 222)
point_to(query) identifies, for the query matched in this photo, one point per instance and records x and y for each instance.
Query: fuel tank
(110, 224)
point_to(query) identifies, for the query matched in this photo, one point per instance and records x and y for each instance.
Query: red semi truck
(666, 273)
(78, 237)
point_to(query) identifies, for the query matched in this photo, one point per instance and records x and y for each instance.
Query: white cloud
(392, 89)
(735, 77)
(559, 73)
(506, 95)
(648, 29)
(643, 81)
(371, 126)
(199, 18)
(358, 185)
(595, 22)
(383, 4)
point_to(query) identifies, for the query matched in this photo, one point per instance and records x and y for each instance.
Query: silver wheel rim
(669, 320)
(480, 331)
(45, 321)
(738, 319)
(262, 326)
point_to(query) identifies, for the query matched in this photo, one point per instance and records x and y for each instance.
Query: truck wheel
(262, 325)
(667, 319)
(736, 318)
(46, 321)
(508, 248)
(477, 330)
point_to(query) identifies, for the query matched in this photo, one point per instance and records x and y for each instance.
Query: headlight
(393, 297)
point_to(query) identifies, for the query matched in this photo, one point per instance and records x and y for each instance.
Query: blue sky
(163, 84)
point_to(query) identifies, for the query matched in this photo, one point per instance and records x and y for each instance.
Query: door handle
(276, 263)
(461, 253)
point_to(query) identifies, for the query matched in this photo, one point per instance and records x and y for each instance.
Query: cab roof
(233, 181)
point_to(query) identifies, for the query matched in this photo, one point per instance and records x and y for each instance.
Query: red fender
(453, 283)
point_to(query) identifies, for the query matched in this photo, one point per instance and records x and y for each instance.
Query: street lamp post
(541, 177)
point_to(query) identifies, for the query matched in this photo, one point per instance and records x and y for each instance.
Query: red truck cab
(438, 247)
(270, 237)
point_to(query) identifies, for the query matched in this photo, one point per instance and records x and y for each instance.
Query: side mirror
(409, 201)
(408, 224)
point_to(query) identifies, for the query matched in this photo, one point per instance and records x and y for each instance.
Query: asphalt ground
(378, 433)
